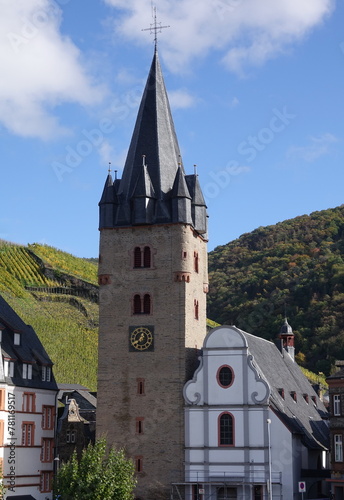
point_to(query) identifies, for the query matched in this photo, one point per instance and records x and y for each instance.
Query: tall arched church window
(226, 429)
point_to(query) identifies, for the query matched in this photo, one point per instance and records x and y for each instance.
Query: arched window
(137, 257)
(146, 304)
(142, 257)
(137, 304)
(147, 257)
(226, 429)
(225, 376)
(142, 305)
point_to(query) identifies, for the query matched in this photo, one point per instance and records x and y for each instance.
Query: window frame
(221, 431)
(46, 481)
(27, 371)
(29, 402)
(336, 402)
(48, 417)
(338, 447)
(8, 368)
(28, 434)
(142, 304)
(142, 257)
(70, 436)
(218, 376)
(47, 450)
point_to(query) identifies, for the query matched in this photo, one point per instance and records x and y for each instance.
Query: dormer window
(46, 373)
(27, 371)
(9, 368)
(281, 392)
(16, 339)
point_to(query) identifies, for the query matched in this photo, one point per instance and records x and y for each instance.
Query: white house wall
(22, 465)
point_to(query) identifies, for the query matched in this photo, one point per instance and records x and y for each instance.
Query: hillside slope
(57, 294)
(295, 267)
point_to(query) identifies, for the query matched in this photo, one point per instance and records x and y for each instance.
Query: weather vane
(155, 27)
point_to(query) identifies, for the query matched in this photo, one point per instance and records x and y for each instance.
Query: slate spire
(154, 139)
(154, 136)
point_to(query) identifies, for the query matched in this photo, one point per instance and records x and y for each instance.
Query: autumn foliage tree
(98, 475)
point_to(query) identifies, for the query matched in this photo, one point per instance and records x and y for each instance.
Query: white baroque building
(252, 420)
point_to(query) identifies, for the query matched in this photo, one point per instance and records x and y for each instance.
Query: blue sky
(256, 90)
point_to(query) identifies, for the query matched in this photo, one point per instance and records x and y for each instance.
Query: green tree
(98, 475)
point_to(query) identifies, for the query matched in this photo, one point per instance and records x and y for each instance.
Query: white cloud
(106, 152)
(248, 32)
(41, 68)
(181, 99)
(317, 146)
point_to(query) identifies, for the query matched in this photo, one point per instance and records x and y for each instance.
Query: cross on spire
(155, 27)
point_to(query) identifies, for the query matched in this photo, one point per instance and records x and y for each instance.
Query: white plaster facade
(27, 469)
(263, 447)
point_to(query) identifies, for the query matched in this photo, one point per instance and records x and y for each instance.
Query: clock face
(141, 338)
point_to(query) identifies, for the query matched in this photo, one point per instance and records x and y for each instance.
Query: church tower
(153, 283)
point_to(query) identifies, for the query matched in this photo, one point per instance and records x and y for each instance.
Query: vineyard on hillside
(66, 323)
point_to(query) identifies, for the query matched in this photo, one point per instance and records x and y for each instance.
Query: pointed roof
(143, 187)
(195, 190)
(154, 136)
(180, 189)
(286, 329)
(107, 196)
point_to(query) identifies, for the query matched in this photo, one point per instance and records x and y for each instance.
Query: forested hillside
(295, 267)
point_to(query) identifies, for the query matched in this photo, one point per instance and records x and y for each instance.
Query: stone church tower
(153, 283)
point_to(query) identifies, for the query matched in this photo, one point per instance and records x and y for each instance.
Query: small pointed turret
(198, 206)
(181, 199)
(143, 197)
(286, 336)
(106, 204)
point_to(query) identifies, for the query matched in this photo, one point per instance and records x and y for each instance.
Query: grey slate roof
(29, 351)
(153, 174)
(337, 375)
(305, 418)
